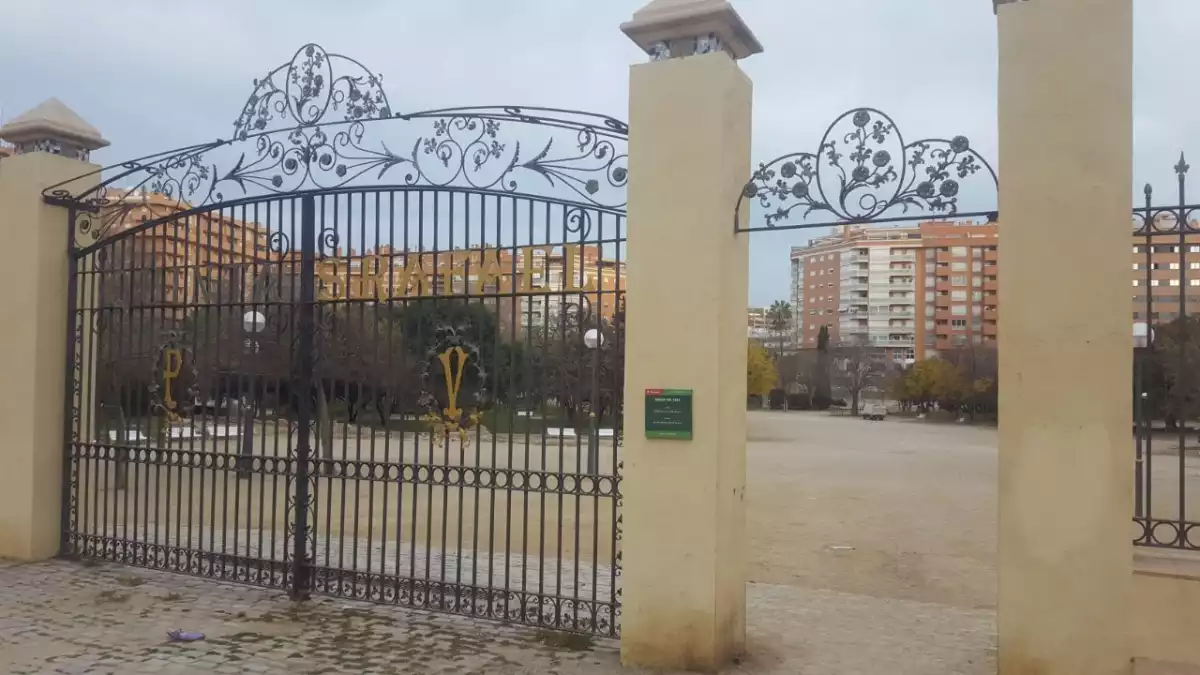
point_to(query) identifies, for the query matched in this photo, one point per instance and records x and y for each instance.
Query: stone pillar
(51, 146)
(1066, 466)
(684, 545)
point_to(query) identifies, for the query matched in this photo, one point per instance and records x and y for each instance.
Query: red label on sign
(655, 392)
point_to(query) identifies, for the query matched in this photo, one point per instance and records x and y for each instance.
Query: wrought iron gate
(306, 359)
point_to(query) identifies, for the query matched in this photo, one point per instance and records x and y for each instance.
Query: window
(977, 296)
(958, 251)
(1194, 249)
(1174, 266)
(1154, 282)
(928, 325)
(1193, 282)
(1135, 266)
(929, 296)
(977, 310)
(958, 280)
(958, 267)
(959, 310)
(976, 267)
(958, 295)
(958, 323)
(1194, 266)
(1137, 249)
(1135, 282)
(976, 253)
(1174, 282)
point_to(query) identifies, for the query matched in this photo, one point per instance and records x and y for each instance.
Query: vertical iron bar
(1183, 339)
(301, 584)
(66, 529)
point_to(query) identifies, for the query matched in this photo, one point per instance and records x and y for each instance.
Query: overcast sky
(157, 75)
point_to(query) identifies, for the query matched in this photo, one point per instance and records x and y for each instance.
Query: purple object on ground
(184, 636)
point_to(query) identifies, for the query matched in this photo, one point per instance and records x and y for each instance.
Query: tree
(779, 321)
(575, 375)
(760, 371)
(802, 369)
(858, 368)
(1170, 378)
(977, 370)
(823, 383)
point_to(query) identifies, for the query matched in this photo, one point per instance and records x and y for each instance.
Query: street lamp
(1143, 338)
(593, 339)
(253, 323)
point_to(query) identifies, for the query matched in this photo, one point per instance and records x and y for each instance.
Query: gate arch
(305, 361)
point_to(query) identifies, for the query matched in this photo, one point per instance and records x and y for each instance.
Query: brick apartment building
(204, 249)
(916, 290)
(908, 290)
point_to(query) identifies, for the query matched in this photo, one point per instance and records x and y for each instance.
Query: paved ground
(63, 617)
(872, 543)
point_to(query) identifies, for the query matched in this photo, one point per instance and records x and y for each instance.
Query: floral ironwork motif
(323, 121)
(862, 171)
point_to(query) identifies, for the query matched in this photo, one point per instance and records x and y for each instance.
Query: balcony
(943, 287)
(991, 315)
(991, 256)
(989, 329)
(991, 270)
(944, 315)
(942, 301)
(944, 256)
(991, 286)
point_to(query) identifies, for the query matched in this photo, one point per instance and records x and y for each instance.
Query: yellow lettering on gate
(454, 379)
(528, 269)
(489, 270)
(172, 364)
(330, 279)
(571, 252)
(412, 274)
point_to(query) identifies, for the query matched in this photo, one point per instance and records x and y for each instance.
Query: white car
(873, 411)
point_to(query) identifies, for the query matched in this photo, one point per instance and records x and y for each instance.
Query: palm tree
(779, 320)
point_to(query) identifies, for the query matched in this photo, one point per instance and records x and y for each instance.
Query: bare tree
(800, 371)
(857, 368)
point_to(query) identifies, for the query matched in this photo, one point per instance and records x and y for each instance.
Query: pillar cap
(677, 28)
(52, 127)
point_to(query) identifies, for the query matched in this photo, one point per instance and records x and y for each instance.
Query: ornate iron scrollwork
(318, 122)
(864, 171)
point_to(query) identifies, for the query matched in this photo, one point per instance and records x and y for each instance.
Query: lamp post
(1143, 338)
(253, 323)
(593, 339)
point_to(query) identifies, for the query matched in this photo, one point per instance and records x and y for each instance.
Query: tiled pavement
(65, 617)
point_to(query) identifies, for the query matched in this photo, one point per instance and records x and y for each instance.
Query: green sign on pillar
(669, 414)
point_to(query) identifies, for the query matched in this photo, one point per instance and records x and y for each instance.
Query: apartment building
(1164, 268)
(756, 323)
(910, 290)
(183, 255)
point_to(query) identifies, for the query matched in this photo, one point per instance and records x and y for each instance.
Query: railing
(1166, 374)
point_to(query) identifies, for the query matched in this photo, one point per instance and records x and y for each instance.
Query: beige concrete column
(684, 546)
(52, 145)
(1065, 343)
